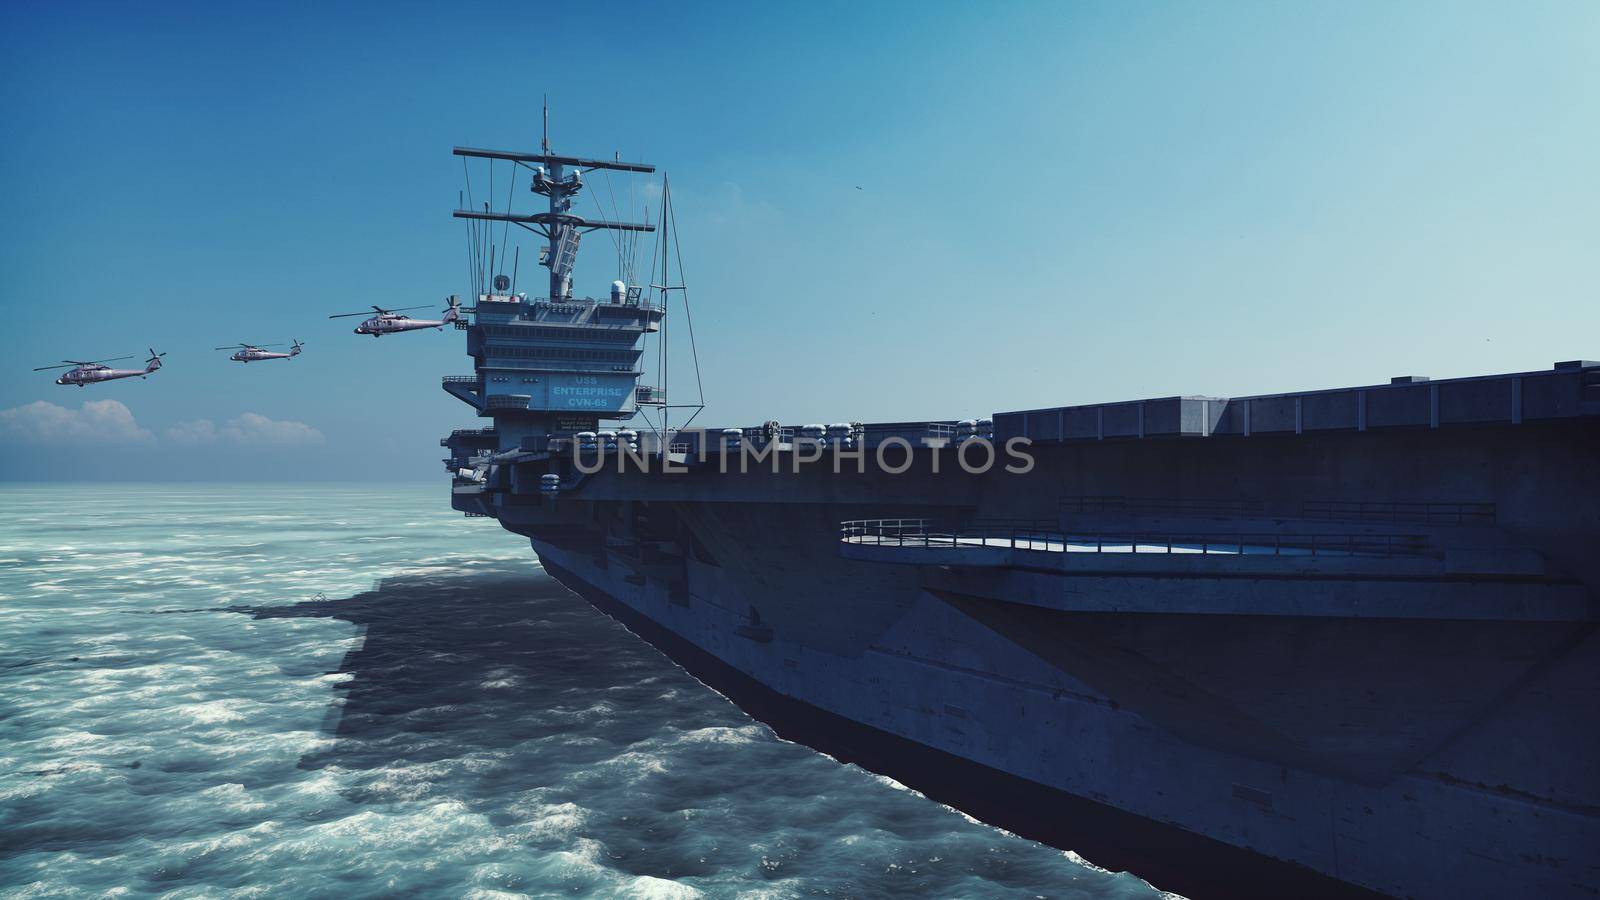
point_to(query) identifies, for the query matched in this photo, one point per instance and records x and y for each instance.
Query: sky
(886, 211)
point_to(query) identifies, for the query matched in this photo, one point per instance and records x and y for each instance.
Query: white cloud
(101, 421)
(249, 429)
(256, 428)
(200, 431)
(109, 422)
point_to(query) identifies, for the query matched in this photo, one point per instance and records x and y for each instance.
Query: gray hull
(1418, 725)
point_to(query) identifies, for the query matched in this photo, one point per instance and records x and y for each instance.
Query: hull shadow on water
(506, 692)
(510, 667)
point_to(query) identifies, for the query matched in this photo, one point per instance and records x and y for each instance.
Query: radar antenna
(560, 179)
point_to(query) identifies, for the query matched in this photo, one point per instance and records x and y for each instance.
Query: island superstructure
(1332, 640)
(555, 364)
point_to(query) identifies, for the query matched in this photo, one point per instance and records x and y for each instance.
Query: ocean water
(353, 691)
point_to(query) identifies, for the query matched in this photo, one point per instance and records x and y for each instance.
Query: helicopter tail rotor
(154, 362)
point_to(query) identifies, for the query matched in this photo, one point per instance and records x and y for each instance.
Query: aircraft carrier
(1321, 642)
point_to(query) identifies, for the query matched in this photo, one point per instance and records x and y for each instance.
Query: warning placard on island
(576, 423)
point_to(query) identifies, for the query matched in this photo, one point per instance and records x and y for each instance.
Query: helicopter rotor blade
(92, 362)
(378, 309)
(45, 368)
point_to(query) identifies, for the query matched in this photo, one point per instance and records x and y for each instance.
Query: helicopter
(86, 372)
(390, 321)
(253, 352)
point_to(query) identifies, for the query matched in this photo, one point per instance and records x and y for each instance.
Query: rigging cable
(688, 316)
(621, 239)
(511, 192)
(468, 223)
(637, 205)
(666, 296)
(610, 233)
(489, 225)
(485, 262)
(472, 230)
(661, 334)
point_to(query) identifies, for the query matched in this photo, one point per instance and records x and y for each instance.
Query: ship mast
(559, 226)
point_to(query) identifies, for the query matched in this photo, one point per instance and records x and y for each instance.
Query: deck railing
(1169, 505)
(1385, 511)
(1030, 535)
(1420, 513)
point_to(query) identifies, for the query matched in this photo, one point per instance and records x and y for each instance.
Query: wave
(186, 710)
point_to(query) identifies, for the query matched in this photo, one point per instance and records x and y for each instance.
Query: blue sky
(1059, 203)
